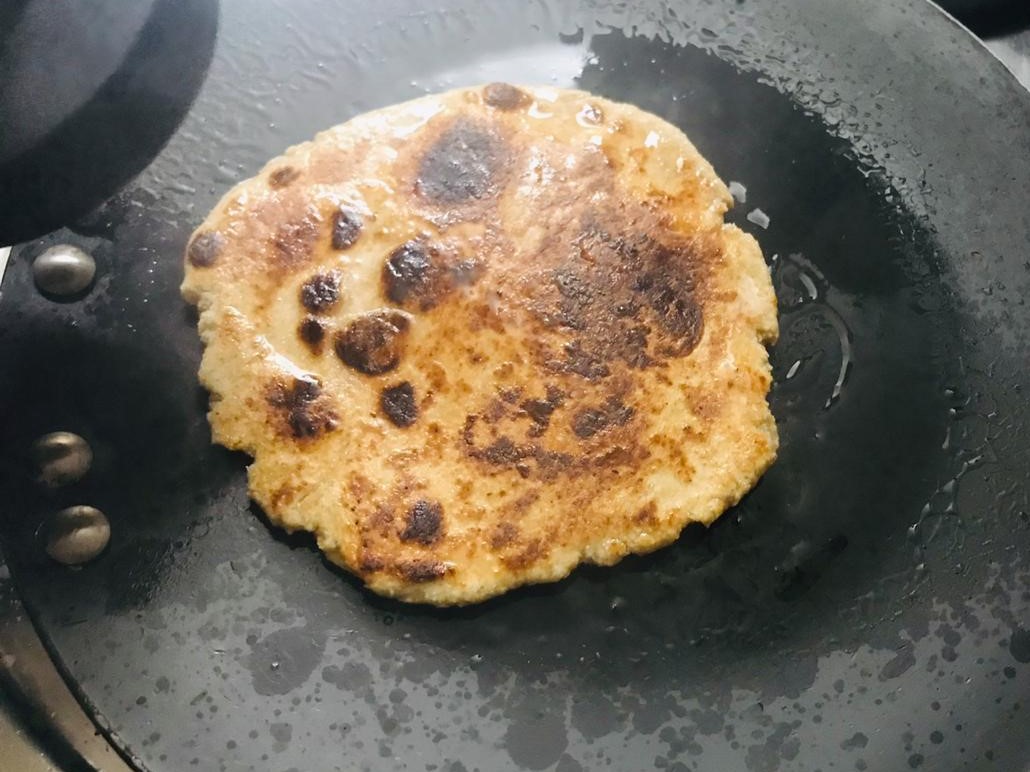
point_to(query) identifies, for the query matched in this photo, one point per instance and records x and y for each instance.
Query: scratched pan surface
(866, 607)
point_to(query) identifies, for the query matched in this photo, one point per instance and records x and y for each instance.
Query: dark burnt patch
(674, 304)
(523, 457)
(592, 420)
(321, 292)
(369, 562)
(410, 275)
(510, 394)
(462, 165)
(312, 332)
(398, 404)
(581, 360)
(373, 343)
(504, 96)
(550, 463)
(205, 248)
(423, 523)
(283, 176)
(502, 452)
(293, 241)
(347, 225)
(496, 409)
(504, 534)
(309, 423)
(627, 299)
(540, 410)
(306, 413)
(418, 275)
(419, 571)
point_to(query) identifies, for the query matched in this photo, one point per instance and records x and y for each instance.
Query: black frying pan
(866, 607)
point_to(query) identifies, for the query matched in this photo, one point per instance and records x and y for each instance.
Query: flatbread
(476, 339)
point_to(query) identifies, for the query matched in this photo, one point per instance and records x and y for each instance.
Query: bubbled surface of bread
(476, 339)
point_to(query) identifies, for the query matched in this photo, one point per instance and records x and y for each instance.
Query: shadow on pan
(123, 112)
(989, 17)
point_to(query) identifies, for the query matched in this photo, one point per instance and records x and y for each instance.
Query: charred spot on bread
(373, 343)
(321, 292)
(311, 331)
(346, 229)
(205, 248)
(504, 96)
(464, 163)
(300, 402)
(423, 523)
(398, 404)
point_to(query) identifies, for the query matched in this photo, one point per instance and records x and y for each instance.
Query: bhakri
(478, 338)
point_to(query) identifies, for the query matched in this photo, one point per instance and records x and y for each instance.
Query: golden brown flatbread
(478, 338)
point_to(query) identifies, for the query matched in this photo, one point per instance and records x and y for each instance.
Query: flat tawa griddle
(866, 607)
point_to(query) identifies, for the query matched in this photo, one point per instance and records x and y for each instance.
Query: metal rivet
(77, 535)
(61, 458)
(63, 270)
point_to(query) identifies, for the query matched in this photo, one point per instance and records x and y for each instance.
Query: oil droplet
(805, 279)
(845, 355)
(810, 323)
(589, 116)
(759, 218)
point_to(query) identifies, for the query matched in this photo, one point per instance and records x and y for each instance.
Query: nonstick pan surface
(866, 607)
